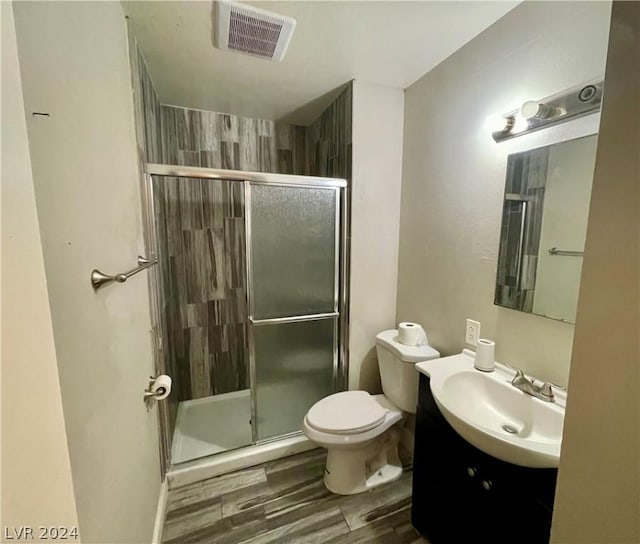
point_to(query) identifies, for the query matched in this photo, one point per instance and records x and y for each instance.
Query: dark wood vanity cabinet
(461, 494)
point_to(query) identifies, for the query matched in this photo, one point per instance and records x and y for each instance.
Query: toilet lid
(347, 412)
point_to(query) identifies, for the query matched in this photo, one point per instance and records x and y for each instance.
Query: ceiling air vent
(253, 31)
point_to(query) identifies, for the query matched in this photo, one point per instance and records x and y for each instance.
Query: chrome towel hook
(98, 279)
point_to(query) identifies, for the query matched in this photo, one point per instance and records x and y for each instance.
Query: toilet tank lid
(410, 354)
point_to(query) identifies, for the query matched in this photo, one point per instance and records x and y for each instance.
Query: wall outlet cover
(472, 332)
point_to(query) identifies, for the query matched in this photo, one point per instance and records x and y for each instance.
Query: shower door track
(340, 370)
(239, 175)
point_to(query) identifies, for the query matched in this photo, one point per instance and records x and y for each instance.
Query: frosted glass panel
(293, 250)
(294, 369)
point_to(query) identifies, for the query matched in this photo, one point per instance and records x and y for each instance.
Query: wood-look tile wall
(146, 106)
(291, 149)
(328, 139)
(201, 250)
(220, 140)
(206, 274)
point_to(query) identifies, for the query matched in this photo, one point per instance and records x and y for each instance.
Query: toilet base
(351, 471)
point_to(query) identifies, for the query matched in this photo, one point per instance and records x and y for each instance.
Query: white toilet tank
(397, 368)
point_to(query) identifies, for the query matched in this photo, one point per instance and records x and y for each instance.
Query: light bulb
(498, 123)
(520, 124)
(532, 109)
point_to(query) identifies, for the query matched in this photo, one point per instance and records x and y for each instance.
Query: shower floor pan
(211, 425)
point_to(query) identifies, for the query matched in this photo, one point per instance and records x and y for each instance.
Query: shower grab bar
(556, 251)
(98, 279)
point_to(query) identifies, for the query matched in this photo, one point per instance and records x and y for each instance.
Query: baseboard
(162, 505)
(239, 459)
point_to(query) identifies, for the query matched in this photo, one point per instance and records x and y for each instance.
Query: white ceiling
(390, 43)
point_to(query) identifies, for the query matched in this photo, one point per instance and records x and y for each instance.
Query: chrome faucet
(542, 392)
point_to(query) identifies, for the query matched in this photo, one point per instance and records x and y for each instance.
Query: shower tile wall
(207, 317)
(201, 234)
(291, 149)
(206, 293)
(201, 239)
(146, 106)
(219, 140)
(328, 139)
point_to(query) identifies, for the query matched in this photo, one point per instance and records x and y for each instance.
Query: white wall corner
(377, 132)
(83, 46)
(37, 489)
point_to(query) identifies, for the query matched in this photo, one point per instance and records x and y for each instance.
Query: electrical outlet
(473, 332)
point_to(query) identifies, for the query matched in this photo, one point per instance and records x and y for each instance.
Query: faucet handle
(546, 390)
(518, 373)
(518, 376)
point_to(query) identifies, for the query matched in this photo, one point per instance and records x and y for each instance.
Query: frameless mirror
(544, 224)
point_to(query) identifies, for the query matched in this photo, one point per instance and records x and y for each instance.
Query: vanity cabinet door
(446, 494)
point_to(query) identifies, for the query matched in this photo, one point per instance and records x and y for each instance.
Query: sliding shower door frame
(340, 243)
(341, 281)
(158, 346)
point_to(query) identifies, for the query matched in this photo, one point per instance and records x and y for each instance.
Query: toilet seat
(346, 413)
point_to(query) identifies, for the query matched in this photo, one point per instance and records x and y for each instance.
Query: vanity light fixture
(536, 114)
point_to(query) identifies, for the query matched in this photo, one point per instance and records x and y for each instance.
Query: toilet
(361, 431)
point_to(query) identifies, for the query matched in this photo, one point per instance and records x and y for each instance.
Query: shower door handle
(292, 319)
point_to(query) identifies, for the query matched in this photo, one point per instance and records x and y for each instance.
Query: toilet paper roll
(412, 334)
(161, 387)
(485, 355)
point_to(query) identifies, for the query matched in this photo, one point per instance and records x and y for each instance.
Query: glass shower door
(293, 249)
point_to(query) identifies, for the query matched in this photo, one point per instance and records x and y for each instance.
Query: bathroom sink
(489, 413)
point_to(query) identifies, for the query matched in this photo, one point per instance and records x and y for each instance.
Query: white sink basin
(488, 412)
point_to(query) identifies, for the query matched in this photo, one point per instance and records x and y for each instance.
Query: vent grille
(253, 31)
(252, 35)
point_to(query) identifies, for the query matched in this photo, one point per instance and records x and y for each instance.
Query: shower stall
(249, 300)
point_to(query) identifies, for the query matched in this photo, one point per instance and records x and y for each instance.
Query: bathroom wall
(453, 175)
(375, 217)
(231, 142)
(598, 496)
(291, 149)
(328, 139)
(36, 489)
(217, 140)
(74, 66)
(146, 105)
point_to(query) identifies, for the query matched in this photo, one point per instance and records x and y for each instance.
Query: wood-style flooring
(286, 502)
